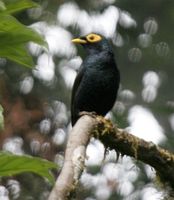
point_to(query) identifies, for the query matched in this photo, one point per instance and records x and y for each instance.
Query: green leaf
(13, 6)
(17, 53)
(1, 118)
(2, 6)
(11, 164)
(13, 39)
(13, 32)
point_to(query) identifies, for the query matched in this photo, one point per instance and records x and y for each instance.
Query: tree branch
(113, 138)
(74, 159)
(127, 144)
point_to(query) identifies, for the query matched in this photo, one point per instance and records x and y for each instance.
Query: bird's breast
(104, 82)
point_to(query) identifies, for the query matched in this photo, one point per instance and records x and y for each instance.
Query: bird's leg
(92, 114)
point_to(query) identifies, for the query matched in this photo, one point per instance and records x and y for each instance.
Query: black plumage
(97, 82)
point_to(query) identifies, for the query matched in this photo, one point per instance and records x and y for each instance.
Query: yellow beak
(79, 41)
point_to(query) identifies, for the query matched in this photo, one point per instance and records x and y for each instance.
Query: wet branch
(113, 138)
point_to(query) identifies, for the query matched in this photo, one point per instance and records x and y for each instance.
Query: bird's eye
(91, 38)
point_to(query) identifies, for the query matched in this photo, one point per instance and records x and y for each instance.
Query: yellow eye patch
(93, 38)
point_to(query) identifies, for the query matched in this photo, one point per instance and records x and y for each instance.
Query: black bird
(97, 82)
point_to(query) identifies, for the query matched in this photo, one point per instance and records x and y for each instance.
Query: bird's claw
(91, 114)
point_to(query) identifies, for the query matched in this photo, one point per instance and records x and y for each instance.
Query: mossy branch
(113, 138)
(127, 144)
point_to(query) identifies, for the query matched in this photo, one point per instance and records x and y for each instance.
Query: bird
(97, 82)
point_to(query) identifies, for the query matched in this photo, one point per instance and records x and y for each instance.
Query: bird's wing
(74, 90)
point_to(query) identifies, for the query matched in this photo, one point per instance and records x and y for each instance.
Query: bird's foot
(91, 114)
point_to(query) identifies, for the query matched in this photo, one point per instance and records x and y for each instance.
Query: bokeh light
(151, 26)
(135, 55)
(144, 107)
(144, 125)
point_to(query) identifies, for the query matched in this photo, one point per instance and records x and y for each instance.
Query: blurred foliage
(11, 7)
(14, 36)
(13, 39)
(11, 165)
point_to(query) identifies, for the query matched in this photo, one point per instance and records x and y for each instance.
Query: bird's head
(93, 43)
